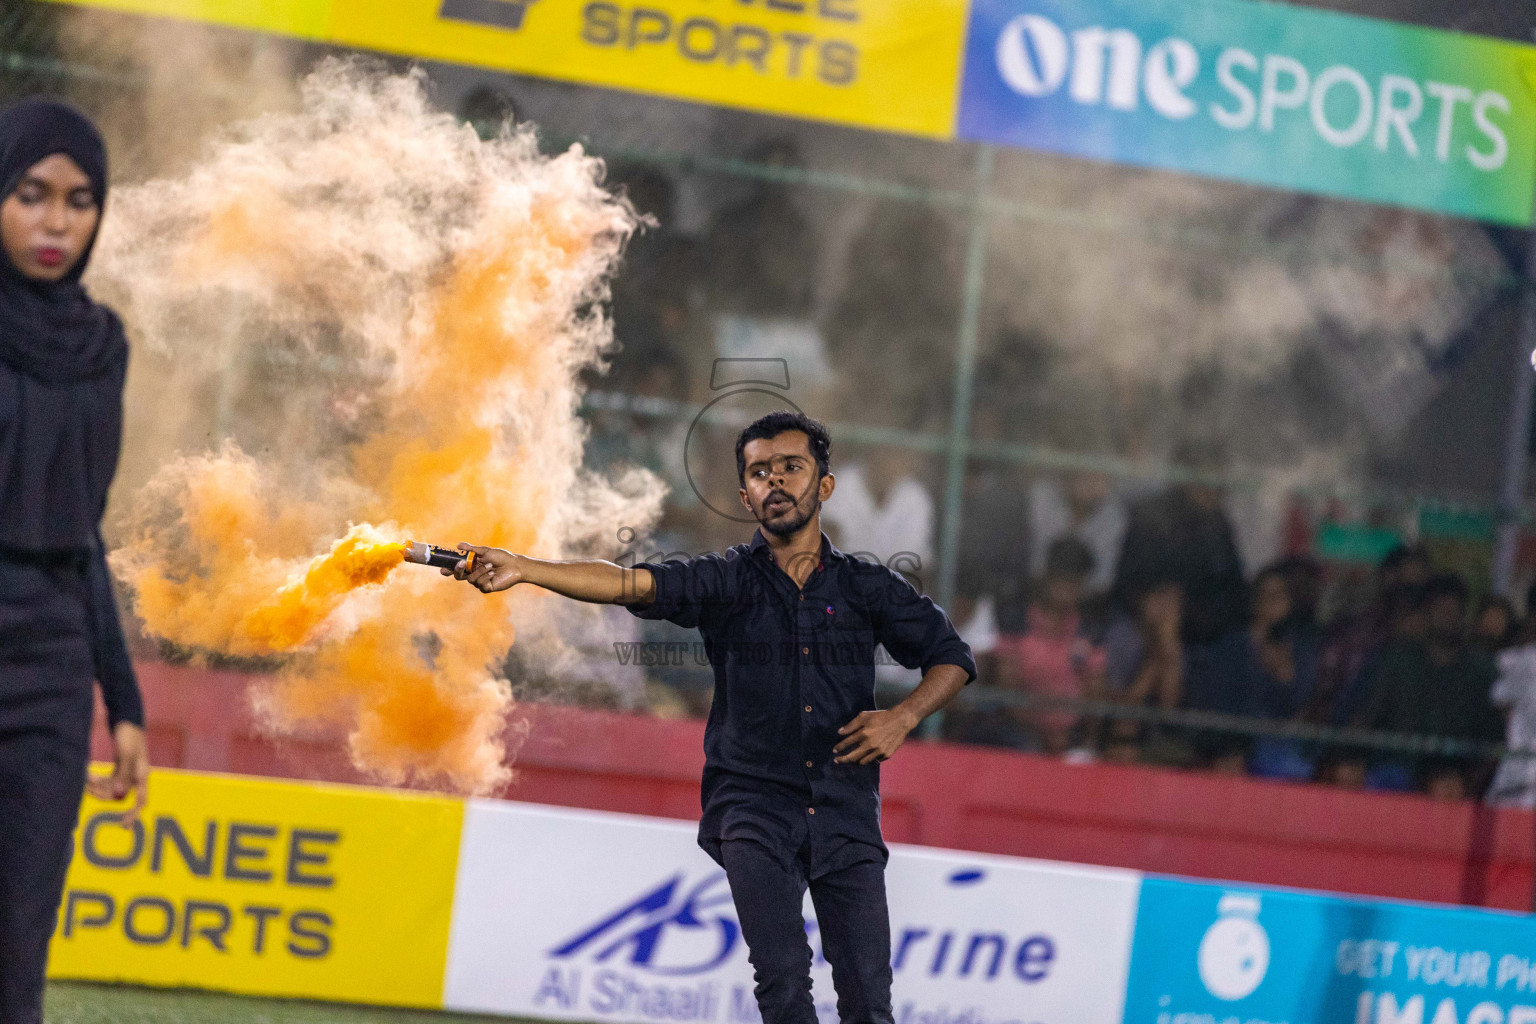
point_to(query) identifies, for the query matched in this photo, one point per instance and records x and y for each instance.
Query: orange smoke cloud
(401, 310)
(290, 617)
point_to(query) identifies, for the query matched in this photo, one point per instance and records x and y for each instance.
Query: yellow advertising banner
(892, 65)
(265, 888)
(307, 18)
(888, 64)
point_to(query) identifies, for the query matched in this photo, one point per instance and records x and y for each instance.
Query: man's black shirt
(792, 666)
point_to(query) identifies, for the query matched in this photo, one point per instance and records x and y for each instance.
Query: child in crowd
(1054, 658)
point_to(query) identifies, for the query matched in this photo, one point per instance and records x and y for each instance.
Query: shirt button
(805, 650)
(802, 597)
(810, 810)
(808, 764)
(807, 708)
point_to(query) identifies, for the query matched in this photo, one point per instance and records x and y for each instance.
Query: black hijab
(62, 359)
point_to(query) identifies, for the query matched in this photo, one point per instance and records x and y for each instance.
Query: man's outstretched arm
(589, 579)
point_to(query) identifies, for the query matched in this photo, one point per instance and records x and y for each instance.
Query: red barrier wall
(964, 798)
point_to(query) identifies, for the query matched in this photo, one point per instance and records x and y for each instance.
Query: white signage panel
(590, 916)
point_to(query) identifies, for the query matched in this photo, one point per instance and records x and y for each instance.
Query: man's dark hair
(775, 423)
(1402, 554)
(1447, 585)
(1274, 570)
(1403, 599)
(1068, 557)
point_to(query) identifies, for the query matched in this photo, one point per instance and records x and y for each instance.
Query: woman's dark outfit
(62, 361)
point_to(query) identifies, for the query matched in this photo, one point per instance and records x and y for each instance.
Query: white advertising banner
(589, 916)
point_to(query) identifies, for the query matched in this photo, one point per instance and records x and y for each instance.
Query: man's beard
(785, 527)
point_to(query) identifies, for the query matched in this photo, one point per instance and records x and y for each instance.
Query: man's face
(782, 487)
(1493, 622)
(1271, 600)
(1087, 491)
(1203, 496)
(1063, 592)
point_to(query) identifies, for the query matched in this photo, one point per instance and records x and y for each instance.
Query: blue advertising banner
(1268, 93)
(1211, 954)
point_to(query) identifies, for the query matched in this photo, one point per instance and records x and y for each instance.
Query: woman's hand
(130, 755)
(493, 569)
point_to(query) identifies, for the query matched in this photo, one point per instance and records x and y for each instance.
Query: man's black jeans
(855, 934)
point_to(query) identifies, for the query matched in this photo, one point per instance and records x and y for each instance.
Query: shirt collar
(759, 549)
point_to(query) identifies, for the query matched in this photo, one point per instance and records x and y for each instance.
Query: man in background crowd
(1352, 643)
(1084, 508)
(1515, 692)
(1183, 536)
(1434, 684)
(1144, 667)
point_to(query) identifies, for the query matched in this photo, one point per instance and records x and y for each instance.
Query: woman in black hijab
(62, 362)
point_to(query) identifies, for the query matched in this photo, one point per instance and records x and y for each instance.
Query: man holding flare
(790, 791)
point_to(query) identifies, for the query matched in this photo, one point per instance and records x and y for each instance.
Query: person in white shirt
(1081, 506)
(883, 514)
(1514, 785)
(885, 508)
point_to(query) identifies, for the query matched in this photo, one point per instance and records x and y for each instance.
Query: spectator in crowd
(1435, 685)
(1082, 506)
(1054, 658)
(1494, 626)
(656, 299)
(1303, 577)
(1352, 644)
(1407, 565)
(1283, 652)
(488, 109)
(1144, 666)
(624, 435)
(1183, 536)
(1514, 785)
(1266, 671)
(993, 570)
(1405, 626)
(893, 302)
(761, 250)
(879, 498)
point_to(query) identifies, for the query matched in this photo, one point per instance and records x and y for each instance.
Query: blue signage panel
(1212, 954)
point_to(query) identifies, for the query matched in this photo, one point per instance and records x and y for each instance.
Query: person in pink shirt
(1054, 658)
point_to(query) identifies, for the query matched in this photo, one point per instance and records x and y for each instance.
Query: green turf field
(80, 1003)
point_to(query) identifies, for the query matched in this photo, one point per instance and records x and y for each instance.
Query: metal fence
(976, 193)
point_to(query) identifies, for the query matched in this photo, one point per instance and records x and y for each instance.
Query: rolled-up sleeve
(688, 593)
(916, 632)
